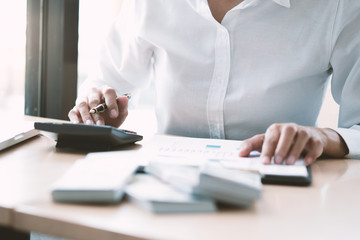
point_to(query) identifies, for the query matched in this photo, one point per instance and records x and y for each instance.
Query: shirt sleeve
(345, 63)
(125, 62)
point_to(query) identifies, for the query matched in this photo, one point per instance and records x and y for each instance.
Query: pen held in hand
(99, 108)
(102, 107)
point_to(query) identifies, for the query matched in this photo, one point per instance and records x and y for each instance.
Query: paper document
(188, 151)
(196, 151)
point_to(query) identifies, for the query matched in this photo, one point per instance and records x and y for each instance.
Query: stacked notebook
(159, 197)
(99, 180)
(211, 180)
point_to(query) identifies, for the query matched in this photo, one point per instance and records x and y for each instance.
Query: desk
(23, 170)
(329, 209)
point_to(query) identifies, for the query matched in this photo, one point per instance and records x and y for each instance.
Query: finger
(271, 140)
(287, 136)
(94, 99)
(83, 109)
(98, 118)
(302, 137)
(251, 144)
(123, 103)
(110, 100)
(314, 150)
(74, 116)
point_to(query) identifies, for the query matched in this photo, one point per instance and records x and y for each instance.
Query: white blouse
(269, 61)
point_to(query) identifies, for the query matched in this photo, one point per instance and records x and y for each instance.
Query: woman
(252, 69)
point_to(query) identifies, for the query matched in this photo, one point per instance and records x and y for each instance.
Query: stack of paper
(229, 185)
(159, 197)
(95, 180)
(182, 177)
(211, 180)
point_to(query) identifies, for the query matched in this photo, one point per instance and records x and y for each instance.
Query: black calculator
(89, 137)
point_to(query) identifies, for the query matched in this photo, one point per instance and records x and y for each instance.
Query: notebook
(211, 180)
(159, 197)
(95, 180)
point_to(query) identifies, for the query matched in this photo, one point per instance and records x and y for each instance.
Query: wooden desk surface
(26, 173)
(329, 209)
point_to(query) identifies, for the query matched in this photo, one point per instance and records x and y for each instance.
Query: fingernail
(99, 122)
(88, 122)
(308, 160)
(265, 160)
(278, 159)
(291, 160)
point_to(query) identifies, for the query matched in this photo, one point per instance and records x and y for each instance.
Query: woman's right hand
(115, 115)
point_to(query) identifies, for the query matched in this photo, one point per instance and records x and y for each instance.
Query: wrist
(335, 145)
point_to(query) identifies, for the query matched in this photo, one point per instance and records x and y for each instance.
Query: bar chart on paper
(189, 151)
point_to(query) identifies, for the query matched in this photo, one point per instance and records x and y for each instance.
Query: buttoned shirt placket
(222, 63)
(220, 78)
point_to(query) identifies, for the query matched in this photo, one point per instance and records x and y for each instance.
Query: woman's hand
(115, 115)
(287, 142)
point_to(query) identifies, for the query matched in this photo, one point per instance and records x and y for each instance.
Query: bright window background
(95, 19)
(12, 56)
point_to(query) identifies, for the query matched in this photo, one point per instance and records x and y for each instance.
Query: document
(188, 151)
(198, 151)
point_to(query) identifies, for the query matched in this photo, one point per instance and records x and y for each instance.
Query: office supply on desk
(211, 180)
(89, 137)
(99, 180)
(159, 197)
(298, 174)
(197, 151)
(17, 133)
(229, 185)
